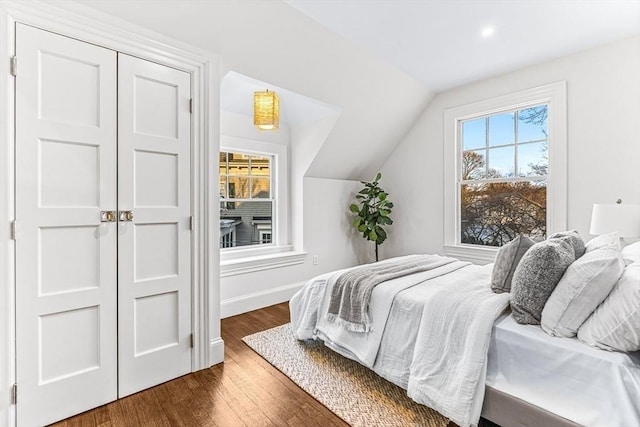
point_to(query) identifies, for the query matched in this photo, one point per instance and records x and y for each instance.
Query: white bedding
(564, 376)
(444, 366)
(588, 386)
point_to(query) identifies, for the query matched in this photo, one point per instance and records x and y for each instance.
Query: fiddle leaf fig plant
(372, 208)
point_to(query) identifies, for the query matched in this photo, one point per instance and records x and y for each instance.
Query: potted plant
(373, 212)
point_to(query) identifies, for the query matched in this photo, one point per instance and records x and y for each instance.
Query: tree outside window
(503, 176)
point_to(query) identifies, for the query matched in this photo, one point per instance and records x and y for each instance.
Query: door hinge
(14, 394)
(14, 230)
(191, 105)
(191, 341)
(13, 66)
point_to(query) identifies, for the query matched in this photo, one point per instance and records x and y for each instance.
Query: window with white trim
(246, 199)
(503, 176)
(254, 238)
(505, 170)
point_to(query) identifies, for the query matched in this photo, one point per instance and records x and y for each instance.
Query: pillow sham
(611, 240)
(506, 262)
(631, 253)
(584, 286)
(536, 277)
(615, 325)
(574, 239)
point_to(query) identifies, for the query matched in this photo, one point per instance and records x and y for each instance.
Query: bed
(526, 377)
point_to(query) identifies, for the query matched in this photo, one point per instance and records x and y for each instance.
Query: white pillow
(615, 325)
(611, 240)
(585, 284)
(631, 253)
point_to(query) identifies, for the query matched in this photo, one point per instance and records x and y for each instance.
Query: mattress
(564, 376)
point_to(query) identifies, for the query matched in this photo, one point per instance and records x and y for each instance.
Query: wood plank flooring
(245, 390)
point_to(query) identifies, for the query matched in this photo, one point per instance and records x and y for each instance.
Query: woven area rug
(351, 391)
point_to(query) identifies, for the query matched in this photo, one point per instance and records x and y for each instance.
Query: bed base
(508, 411)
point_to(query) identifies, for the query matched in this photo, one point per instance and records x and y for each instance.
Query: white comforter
(438, 353)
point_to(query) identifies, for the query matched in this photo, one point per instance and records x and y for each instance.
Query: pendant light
(266, 110)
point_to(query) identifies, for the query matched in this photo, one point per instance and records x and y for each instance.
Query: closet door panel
(65, 256)
(154, 279)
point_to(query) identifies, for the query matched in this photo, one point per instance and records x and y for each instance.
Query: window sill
(471, 253)
(253, 260)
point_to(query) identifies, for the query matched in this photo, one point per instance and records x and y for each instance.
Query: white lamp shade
(623, 218)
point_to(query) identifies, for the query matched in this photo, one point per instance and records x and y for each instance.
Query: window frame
(227, 201)
(554, 95)
(279, 196)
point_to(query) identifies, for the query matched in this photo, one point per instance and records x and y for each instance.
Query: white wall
(603, 100)
(273, 42)
(327, 234)
(321, 222)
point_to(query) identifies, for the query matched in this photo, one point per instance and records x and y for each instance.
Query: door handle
(107, 216)
(125, 216)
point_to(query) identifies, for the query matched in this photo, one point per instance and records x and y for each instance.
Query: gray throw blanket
(350, 296)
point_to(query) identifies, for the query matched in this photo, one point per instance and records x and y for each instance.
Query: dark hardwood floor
(245, 390)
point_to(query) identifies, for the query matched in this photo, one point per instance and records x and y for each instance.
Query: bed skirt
(506, 410)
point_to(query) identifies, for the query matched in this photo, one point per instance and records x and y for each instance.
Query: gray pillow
(537, 275)
(506, 262)
(574, 239)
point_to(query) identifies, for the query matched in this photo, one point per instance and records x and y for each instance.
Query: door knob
(107, 216)
(125, 216)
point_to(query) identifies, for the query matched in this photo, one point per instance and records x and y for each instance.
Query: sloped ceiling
(271, 41)
(377, 61)
(440, 42)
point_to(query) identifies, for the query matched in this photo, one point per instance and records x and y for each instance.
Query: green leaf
(378, 176)
(382, 196)
(357, 222)
(373, 235)
(354, 208)
(381, 233)
(362, 228)
(389, 205)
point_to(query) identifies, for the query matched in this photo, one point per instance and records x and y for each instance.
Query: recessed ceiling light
(487, 32)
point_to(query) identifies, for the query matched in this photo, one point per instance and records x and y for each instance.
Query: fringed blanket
(350, 296)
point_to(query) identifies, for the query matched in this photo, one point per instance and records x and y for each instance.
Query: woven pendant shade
(266, 110)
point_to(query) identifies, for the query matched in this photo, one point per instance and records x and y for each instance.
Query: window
(503, 176)
(505, 171)
(246, 199)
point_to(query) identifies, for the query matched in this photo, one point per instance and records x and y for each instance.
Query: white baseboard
(216, 351)
(244, 303)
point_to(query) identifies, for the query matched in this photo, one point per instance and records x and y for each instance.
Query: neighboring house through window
(246, 199)
(505, 170)
(254, 204)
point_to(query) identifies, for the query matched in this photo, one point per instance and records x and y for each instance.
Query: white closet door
(65, 256)
(154, 248)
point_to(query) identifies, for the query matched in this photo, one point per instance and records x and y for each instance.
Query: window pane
(473, 165)
(493, 214)
(249, 223)
(532, 159)
(260, 188)
(474, 134)
(501, 162)
(238, 164)
(238, 187)
(532, 124)
(223, 186)
(502, 129)
(260, 166)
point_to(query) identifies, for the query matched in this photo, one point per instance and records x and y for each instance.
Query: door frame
(83, 23)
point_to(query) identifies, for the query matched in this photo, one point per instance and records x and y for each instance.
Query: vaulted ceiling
(378, 62)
